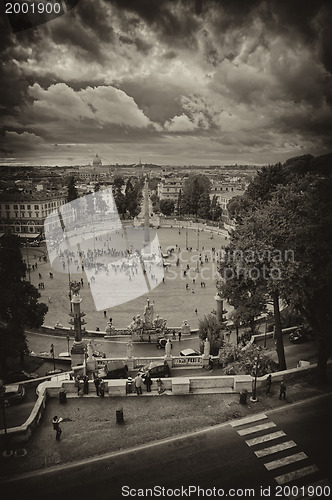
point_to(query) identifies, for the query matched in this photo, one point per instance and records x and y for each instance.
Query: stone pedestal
(185, 328)
(169, 361)
(117, 387)
(109, 331)
(78, 353)
(180, 386)
(242, 382)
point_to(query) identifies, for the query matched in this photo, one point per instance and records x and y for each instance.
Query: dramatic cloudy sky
(170, 81)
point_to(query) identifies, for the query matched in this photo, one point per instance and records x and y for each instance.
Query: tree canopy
(283, 239)
(19, 306)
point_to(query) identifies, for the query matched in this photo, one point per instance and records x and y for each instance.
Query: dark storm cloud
(173, 21)
(95, 16)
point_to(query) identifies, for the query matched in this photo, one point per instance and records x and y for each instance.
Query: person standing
(86, 384)
(138, 384)
(101, 388)
(179, 335)
(282, 394)
(96, 382)
(78, 384)
(268, 385)
(56, 426)
(148, 382)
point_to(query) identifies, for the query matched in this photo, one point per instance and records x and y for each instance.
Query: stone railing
(118, 332)
(232, 384)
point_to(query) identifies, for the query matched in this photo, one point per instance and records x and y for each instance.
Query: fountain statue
(150, 328)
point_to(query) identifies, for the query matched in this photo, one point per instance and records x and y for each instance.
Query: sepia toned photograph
(165, 249)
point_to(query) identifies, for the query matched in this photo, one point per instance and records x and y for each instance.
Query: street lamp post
(265, 332)
(254, 398)
(52, 352)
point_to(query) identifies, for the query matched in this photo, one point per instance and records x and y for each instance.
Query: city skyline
(175, 83)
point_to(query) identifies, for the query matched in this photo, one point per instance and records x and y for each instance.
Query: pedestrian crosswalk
(280, 455)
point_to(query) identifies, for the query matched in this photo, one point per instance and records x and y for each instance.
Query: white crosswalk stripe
(274, 449)
(308, 491)
(263, 424)
(248, 420)
(290, 459)
(291, 476)
(256, 428)
(267, 437)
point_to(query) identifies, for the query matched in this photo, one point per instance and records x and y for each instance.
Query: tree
(19, 306)
(167, 207)
(179, 203)
(289, 234)
(204, 205)
(155, 202)
(193, 188)
(209, 329)
(215, 209)
(72, 193)
(119, 197)
(133, 197)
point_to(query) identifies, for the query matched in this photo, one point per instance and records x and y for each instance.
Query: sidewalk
(90, 429)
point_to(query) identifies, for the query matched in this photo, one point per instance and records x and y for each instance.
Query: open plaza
(186, 293)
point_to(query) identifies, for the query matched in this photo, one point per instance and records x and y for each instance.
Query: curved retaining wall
(177, 386)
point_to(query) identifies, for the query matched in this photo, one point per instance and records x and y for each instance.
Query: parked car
(14, 393)
(156, 369)
(190, 353)
(113, 369)
(161, 343)
(99, 354)
(20, 376)
(300, 335)
(54, 372)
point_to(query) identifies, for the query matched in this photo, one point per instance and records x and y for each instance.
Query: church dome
(97, 162)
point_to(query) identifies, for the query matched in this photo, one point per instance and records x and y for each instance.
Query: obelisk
(146, 214)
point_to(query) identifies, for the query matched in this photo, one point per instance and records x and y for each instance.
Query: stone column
(168, 356)
(78, 350)
(220, 307)
(130, 359)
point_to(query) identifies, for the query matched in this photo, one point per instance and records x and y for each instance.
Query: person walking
(282, 394)
(138, 384)
(96, 382)
(78, 384)
(56, 426)
(86, 384)
(148, 382)
(268, 384)
(101, 388)
(179, 335)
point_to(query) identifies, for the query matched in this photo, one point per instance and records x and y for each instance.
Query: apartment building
(23, 213)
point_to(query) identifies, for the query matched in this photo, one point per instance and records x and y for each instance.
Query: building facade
(169, 188)
(24, 213)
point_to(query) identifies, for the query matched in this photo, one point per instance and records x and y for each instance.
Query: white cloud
(180, 124)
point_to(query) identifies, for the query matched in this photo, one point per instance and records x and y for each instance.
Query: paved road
(294, 352)
(41, 343)
(237, 458)
(307, 351)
